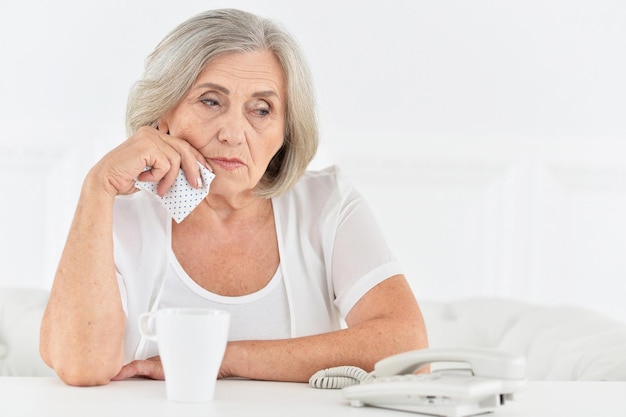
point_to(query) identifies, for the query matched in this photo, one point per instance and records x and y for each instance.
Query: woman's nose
(232, 128)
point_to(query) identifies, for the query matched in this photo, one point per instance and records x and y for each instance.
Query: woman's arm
(386, 321)
(82, 331)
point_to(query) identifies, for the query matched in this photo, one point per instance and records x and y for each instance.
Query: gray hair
(178, 59)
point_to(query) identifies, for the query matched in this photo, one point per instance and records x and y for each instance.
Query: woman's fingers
(187, 159)
(149, 368)
(155, 156)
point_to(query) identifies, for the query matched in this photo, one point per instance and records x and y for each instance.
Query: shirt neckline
(209, 295)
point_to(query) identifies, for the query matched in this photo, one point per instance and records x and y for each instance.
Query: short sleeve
(361, 256)
(123, 292)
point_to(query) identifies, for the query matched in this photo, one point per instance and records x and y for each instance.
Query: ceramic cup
(191, 344)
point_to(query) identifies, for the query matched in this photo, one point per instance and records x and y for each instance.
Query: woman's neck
(242, 210)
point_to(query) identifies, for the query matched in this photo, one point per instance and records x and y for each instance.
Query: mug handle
(145, 319)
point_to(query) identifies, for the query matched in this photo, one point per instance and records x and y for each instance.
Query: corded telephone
(492, 377)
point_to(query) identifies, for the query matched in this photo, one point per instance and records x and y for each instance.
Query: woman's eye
(210, 102)
(262, 109)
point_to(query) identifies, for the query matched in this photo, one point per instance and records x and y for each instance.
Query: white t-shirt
(331, 253)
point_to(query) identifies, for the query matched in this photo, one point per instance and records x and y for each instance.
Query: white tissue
(181, 198)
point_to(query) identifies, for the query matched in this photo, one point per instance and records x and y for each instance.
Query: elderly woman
(295, 256)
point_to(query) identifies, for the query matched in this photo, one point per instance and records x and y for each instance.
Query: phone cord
(339, 377)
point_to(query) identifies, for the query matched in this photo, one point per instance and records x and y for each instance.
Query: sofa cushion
(476, 322)
(597, 357)
(21, 311)
(559, 343)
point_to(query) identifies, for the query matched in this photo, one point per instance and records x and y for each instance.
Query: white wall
(488, 135)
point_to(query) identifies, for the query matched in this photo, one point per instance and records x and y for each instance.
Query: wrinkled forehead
(252, 71)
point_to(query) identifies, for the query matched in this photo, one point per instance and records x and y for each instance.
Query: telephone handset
(493, 377)
(488, 363)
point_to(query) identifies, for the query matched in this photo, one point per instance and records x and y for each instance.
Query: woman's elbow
(81, 358)
(82, 372)
(86, 374)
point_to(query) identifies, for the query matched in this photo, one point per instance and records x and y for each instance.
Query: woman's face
(234, 114)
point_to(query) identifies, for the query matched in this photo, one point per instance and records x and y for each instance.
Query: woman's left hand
(149, 368)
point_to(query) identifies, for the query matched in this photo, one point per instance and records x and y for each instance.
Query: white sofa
(560, 343)
(20, 317)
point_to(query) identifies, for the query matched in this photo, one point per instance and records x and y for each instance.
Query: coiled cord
(338, 377)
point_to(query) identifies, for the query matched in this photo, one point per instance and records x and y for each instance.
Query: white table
(49, 397)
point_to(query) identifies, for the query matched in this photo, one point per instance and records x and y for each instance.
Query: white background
(489, 136)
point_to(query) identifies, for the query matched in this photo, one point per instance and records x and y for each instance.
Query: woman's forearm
(387, 320)
(82, 329)
(297, 359)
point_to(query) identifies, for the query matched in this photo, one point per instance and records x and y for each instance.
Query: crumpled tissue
(181, 199)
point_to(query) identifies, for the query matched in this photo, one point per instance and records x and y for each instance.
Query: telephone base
(495, 376)
(440, 410)
(435, 394)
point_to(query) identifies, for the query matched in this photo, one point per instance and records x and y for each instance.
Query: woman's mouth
(227, 163)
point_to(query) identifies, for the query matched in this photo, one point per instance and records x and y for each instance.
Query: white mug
(191, 344)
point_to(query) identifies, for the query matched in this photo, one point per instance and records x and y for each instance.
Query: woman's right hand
(148, 147)
(148, 368)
